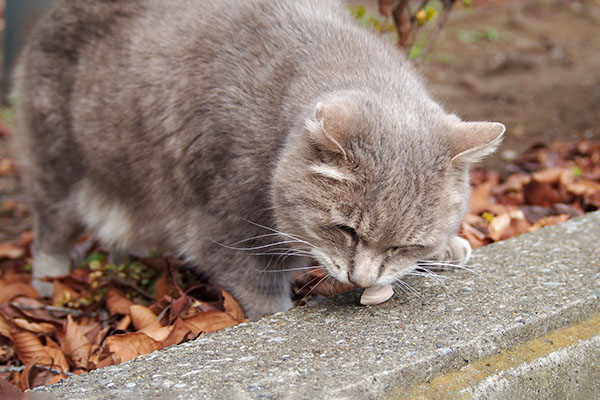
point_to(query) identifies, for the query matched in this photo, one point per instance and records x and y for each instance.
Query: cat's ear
(471, 141)
(332, 128)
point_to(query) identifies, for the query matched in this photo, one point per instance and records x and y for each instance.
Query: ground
(533, 66)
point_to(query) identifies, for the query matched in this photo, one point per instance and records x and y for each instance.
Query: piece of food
(376, 295)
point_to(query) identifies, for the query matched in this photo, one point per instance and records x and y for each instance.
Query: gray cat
(236, 134)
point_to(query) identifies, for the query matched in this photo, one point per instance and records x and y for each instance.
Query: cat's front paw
(46, 265)
(458, 250)
(266, 305)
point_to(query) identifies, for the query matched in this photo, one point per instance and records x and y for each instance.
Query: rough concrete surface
(570, 373)
(524, 321)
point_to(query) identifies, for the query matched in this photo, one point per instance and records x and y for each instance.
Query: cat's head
(373, 188)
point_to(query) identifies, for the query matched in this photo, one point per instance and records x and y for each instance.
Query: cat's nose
(362, 280)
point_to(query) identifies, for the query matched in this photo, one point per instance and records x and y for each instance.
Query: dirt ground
(533, 66)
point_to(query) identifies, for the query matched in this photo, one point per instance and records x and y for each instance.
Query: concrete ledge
(525, 323)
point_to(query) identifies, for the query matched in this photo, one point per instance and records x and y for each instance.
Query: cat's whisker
(255, 247)
(395, 287)
(446, 264)
(295, 250)
(281, 233)
(290, 249)
(410, 289)
(303, 274)
(287, 269)
(254, 238)
(308, 283)
(295, 254)
(430, 274)
(314, 287)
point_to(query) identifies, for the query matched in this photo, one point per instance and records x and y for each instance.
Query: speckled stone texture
(517, 291)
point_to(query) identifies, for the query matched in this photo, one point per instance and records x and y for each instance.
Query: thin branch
(12, 369)
(402, 21)
(20, 368)
(130, 285)
(62, 310)
(441, 21)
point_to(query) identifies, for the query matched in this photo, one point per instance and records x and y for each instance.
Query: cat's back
(55, 45)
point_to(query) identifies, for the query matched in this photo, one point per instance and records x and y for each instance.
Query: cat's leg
(56, 231)
(259, 290)
(267, 297)
(458, 250)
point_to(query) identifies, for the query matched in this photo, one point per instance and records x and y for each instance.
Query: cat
(251, 138)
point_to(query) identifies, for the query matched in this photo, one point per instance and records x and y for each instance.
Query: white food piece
(376, 295)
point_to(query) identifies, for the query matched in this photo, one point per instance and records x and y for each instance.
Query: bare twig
(402, 21)
(441, 21)
(130, 285)
(52, 309)
(20, 368)
(12, 369)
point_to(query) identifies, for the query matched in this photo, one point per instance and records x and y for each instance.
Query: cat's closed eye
(401, 250)
(349, 232)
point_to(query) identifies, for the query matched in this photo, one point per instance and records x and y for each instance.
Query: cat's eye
(350, 232)
(397, 250)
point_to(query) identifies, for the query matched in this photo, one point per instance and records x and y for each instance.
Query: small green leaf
(414, 52)
(358, 11)
(576, 171)
(98, 257)
(95, 265)
(492, 34)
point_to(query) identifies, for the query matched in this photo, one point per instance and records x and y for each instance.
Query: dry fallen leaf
(30, 349)
(159, 333)
(211, 321)
(541, 194)
(62, 293)
(547, 221)
(5, 327)
(11, 290)
(316, 281)
(480, 198)
(232, 307)
(181, 332)
(11, 250)
(35, 375)
(130, 345)
(76, 346)
(26, 238)
(117, 303)
(549, 175)
(58, 358)
(34, 327)
(142, 317)
(7, 167)
(497, 226)
(124, 323)
(165, 286)
(90, 328)
(583, 187)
